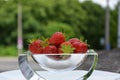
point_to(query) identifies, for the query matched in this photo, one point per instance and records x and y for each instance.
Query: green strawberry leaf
(67, 49)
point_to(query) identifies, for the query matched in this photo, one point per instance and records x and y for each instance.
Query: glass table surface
(69, 75)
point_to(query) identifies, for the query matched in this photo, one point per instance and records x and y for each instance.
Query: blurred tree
(94, 23)
(8, 22)
(114, 27)
(40, 16)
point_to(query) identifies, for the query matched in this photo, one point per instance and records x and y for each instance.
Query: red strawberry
(66, 47)
(50, 49)
(80, 47)
(35, 46)
(72, 40)
(57, 38)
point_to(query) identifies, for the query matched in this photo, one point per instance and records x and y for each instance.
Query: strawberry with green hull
(72, 40)
(35, 46)
(57, 38)
(80, 47)
(65, 48)
(56, 44)
(51, 49)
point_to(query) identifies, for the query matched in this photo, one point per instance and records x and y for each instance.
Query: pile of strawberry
(57, 44)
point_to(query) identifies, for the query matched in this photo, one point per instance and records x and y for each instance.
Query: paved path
(8, 63)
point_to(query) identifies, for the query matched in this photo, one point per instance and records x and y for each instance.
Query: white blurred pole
(118, 24)
(19, 40)
(107, 34)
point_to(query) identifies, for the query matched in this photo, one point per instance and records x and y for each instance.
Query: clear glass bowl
(56, 63)
(59, 62)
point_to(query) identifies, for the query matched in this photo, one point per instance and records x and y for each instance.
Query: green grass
(8, 50)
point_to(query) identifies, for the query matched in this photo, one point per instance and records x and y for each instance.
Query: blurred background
(95, 20)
